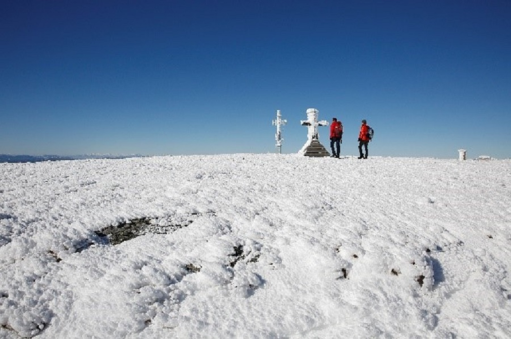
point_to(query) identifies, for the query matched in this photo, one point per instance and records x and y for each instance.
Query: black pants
(364, 144)
(337, 143)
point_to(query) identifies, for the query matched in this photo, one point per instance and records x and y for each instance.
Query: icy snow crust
(256, 246)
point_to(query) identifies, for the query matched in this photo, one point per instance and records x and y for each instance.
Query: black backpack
(370, 132)
(338, 130)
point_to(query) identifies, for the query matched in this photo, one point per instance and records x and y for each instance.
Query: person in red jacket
(335, 137)
(363, 140)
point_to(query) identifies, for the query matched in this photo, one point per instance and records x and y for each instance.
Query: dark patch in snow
(4, 241)
(54, 256)
(5, 216)
(191, 268)
(35, 329)
(504, 291)
(395, 272)
(420, 279)
(133, 228)
(438, 271)
(9, 328)
(82, 245)
(238, 250)
(255, 258)
(490, 236)
(355, 256)
(125, 231)
(238, 255)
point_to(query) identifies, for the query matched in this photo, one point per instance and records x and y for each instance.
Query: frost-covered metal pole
(278, 136)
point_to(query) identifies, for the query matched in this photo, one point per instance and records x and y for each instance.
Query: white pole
(278, 136)
(463, 155)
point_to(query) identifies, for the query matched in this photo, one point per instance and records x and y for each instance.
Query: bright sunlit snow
(256, 246)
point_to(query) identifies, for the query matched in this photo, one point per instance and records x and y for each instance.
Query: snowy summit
(256, 246)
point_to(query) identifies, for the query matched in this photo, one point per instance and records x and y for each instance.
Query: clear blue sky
(206, 77)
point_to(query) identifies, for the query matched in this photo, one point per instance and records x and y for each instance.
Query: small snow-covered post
(463, 154)
(313, 147)
(278, 136)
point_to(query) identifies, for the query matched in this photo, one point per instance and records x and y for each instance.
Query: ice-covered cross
(312, 124)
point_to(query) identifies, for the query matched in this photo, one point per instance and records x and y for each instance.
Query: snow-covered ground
(256, 246)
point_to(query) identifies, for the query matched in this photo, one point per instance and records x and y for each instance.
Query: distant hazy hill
(38, 158)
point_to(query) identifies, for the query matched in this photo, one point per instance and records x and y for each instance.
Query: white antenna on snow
(278, 136)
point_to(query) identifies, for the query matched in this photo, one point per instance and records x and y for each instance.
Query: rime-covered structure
(313, 147)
